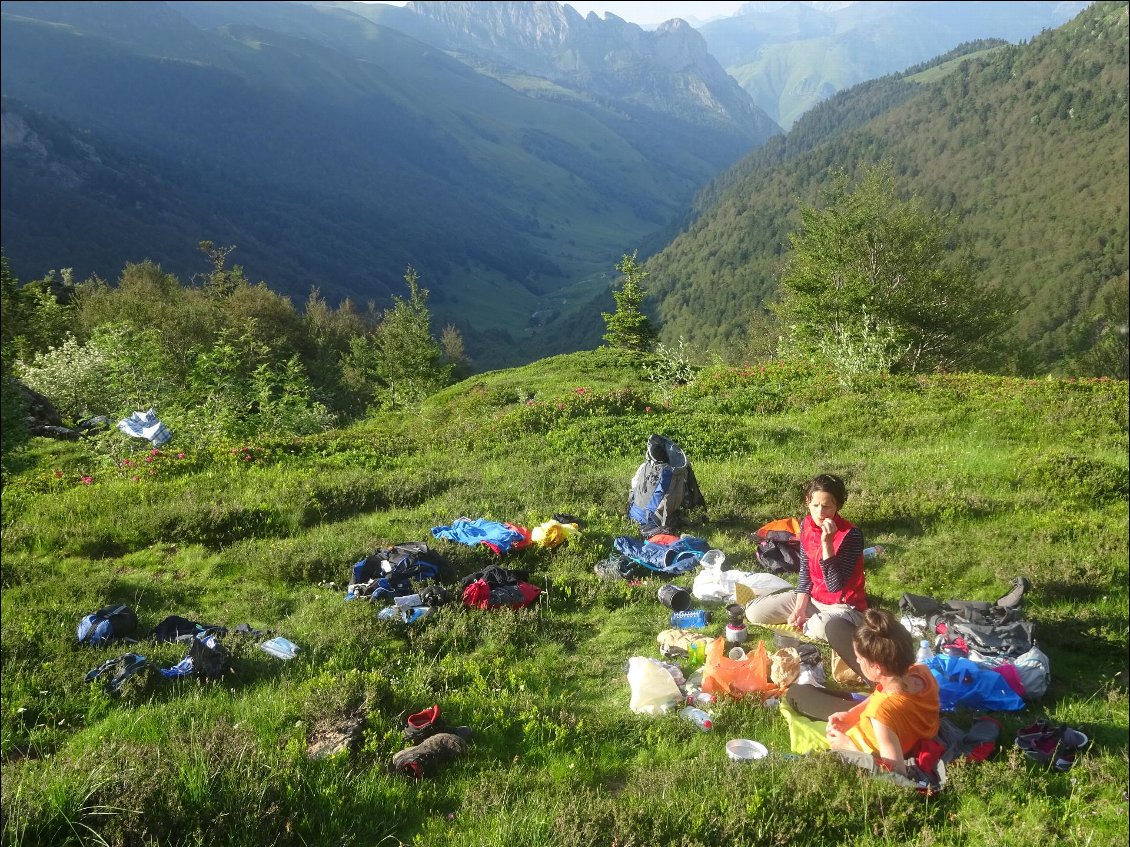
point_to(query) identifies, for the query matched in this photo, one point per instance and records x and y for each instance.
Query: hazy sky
(652, 12)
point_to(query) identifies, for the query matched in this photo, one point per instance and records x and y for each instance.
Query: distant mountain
(1025, 145)
(334, 151)
(667, 70)
(791, 55)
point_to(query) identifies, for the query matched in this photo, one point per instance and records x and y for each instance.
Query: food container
(745, 750)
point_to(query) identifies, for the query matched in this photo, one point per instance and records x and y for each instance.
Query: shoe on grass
(424, 759)
(428, 722)
(1071, 745)
(1040, 727)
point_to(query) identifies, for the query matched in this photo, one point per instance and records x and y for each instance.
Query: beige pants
(776, 608)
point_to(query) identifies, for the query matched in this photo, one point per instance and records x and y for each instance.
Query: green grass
(967, 480)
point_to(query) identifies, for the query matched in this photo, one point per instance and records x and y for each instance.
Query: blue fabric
(95, 630)
(479, 531)
(966, 684)
(181, 668)
(679, 557)
(662, 485)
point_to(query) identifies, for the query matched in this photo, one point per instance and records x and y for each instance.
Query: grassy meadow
(966, 480)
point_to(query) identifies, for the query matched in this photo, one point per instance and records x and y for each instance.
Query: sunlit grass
(966, 481)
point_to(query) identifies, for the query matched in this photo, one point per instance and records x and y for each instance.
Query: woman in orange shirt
(902, 710)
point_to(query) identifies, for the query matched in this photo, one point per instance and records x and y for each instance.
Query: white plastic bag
(762, 584)
(653, 689)
(712, 585)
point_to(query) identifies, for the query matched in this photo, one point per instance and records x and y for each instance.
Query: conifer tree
(628, 327)
(410, 361)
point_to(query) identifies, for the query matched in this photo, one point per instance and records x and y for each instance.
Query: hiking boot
(1014, 597)
(428, 723)
(424, 723)
(424, 759)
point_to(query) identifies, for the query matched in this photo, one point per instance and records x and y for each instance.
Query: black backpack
(779, 552)
(209, 656)
(993, 629)
(109, 622)
(405, 561)
(664, 489)
(175, 628)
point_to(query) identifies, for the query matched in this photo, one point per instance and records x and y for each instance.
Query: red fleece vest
(852, 593)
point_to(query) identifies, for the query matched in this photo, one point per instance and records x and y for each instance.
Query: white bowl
(745, 750)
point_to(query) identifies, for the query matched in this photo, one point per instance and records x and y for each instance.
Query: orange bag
(783, 525)
(736, 677)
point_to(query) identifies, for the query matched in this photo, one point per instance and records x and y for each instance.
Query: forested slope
(1025, 145)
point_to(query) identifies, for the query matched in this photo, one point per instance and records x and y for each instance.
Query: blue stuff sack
(108, 623)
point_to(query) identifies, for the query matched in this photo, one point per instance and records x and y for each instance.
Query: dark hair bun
(876, 620)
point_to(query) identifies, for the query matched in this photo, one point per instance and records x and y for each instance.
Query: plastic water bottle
(698, 717)
(697, 697)
(873, 552)
(925, 654)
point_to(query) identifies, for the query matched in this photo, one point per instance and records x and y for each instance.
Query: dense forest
(1024, 146)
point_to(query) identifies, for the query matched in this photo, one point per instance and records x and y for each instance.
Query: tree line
(218, 358)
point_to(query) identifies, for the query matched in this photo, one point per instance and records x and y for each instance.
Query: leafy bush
(669, 369)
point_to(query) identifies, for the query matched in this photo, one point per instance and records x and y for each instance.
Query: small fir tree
(409, 361)
(628, 327)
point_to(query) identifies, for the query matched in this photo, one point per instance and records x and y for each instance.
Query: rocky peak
(669, 69)
(536, 25)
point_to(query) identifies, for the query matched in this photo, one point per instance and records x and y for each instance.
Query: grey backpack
(664, 489)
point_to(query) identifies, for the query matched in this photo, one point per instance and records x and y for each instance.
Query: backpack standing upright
(664, 489)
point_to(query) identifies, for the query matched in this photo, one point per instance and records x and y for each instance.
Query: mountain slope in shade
(333, 152)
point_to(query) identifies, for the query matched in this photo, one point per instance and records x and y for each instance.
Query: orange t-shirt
(912, 717)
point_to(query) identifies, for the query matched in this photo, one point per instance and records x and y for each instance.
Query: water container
(873, 552)
(694, 619)
(280, 648)
(701, 699)
(696, 651)
(925, 654)
(698, 717)
(735, 634)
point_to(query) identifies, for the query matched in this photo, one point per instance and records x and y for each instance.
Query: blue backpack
(664, 489)
(106, 624)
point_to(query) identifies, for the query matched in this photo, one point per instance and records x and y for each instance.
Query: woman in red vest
(829, 600)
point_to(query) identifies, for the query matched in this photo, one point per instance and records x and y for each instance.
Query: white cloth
(146, 425)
